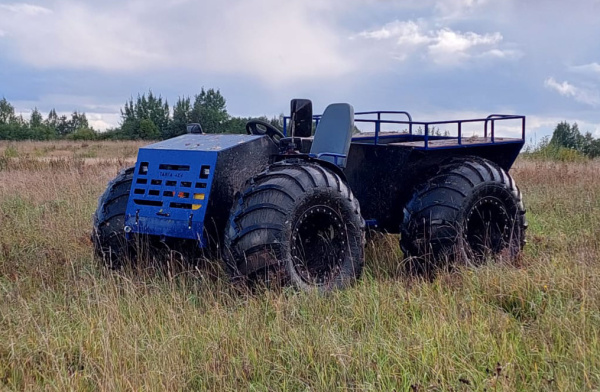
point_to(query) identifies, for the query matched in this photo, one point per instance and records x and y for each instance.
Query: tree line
(150, 117)
(15, 127)
(147, 117)
(567, 143)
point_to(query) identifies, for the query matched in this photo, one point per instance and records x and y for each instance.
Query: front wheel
(300, 221)
(110, 241)
(471, 210)
(108, 235)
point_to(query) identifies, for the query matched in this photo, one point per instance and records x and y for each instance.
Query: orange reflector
(199, 196)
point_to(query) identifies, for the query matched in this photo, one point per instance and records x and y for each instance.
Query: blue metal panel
(197, 142)
(171, 189)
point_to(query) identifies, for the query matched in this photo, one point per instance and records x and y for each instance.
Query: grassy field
(66, 324)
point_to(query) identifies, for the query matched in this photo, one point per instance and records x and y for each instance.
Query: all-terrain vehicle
(285, 201)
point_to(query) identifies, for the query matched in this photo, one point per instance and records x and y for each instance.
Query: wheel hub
(488, 226)
(318, 244)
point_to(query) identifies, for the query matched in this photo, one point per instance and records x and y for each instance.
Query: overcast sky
(438, 59)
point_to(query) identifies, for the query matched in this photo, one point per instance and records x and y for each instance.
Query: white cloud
(102, 121)
(443, 46)
(587, 69)
(503, 54)
(584, 95)
(564, 88)
(272, 40)
(405, 32)
(24, 8)
(453, 47)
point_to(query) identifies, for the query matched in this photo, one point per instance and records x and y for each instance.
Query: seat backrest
(334, 132)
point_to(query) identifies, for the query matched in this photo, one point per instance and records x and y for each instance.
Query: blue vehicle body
(175, 182)
(293, 209)
(185, 187)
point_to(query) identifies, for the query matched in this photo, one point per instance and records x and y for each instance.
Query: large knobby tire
(300, 221)
(470, 211)
(108, 234)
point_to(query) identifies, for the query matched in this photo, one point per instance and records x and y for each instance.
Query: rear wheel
(300, 222)
(471, 211)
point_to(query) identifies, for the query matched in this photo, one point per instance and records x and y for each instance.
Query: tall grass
(66, 324)
(71, 149)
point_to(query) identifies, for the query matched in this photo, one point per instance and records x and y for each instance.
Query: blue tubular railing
(378, 122)
(492, 118)
(377, 128)
(428, 125)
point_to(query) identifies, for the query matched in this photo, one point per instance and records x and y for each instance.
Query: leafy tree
(150, 108)
(10, 131)
(52, 120)
(567, 144)
(594, 149)
(568, 136)
(19, 120)
(78, 121)
(591, 146)
(38, 128)
(235, 125)
(7, 112)
(63, 127)
(238, 124)
(277, 121)
(36, 120)
(130, 129)
(148, 130)
(182, 113)
(210, 110)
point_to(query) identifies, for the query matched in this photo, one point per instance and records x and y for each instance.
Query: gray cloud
(456, 56)
(267, 39)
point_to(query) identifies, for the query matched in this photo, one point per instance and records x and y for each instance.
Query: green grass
(66, 324)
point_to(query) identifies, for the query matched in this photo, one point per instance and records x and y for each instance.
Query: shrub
(82, 134)
(11, 152)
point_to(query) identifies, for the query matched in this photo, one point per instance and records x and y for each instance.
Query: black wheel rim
(488, 227)
(319, 244)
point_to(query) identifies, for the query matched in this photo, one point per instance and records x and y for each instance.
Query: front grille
(170, 191)
(183, 194)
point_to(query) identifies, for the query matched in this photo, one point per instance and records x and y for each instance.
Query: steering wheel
(259, 127)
